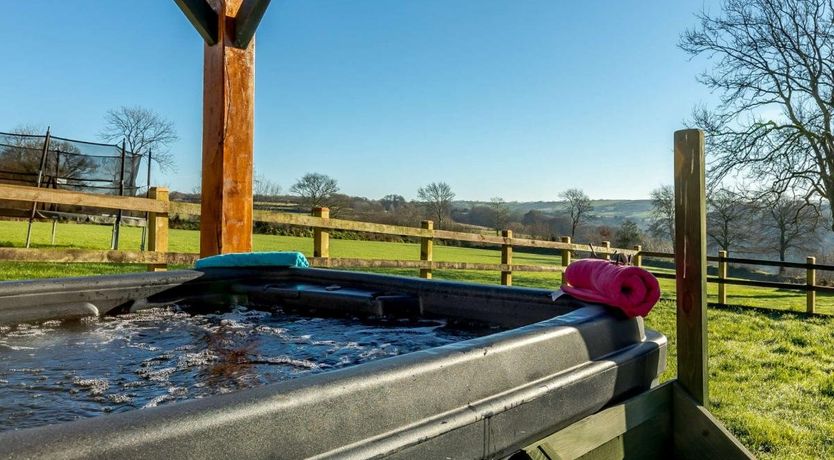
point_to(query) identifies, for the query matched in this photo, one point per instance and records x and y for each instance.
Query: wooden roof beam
(202, 16)
(247, 20)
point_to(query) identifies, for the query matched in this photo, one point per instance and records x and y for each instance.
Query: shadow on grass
(765, 296)
(771, 313)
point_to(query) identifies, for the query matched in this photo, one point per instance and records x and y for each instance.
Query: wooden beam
(95, 256)
(247, 20)
(157, 226)
(228, 129)
(691, 262)
(191, 209)
(202, 17)
(55, 196)
(321, 238)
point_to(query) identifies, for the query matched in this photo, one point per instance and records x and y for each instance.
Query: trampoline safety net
(69, 164)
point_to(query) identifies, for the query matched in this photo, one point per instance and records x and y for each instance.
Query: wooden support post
(607, 245)
(158, 228)
(321, 238)
(637, 260)
(565, 257)
(691, 263)
(811, 281)
(507, 258)
(228, 128)
(426, 249)
(722, 275)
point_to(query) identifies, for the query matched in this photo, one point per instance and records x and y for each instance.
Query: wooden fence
(157, 257)
(322, 224)
(156, 205)
(810, 266)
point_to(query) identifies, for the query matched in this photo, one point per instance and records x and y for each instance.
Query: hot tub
(541, 366)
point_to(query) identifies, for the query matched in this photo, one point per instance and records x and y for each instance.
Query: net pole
(57, 169)
(118, 223)
(38, 185)
(55, 186)
(147, 195)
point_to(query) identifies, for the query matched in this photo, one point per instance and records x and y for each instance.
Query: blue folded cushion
(254, 259)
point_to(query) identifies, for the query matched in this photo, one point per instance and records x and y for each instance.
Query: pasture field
(771, 371)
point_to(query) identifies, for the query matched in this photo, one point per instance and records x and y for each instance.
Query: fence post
(158, 228)
(426, 249)
(507, 258)
(565, 257)
(321, 238)
(722, 275)
(691, 263)
(637, 260)
(607, 246)
(811, 281)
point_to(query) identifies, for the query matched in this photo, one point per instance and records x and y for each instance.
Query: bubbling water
(62, 371)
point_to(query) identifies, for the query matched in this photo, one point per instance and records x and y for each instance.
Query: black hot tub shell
(558, 362)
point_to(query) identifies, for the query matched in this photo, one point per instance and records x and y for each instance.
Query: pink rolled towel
(631, 289)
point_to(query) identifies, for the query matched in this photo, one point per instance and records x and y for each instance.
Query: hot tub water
(62, 371)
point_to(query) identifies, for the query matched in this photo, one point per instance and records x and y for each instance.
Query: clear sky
(513, 98)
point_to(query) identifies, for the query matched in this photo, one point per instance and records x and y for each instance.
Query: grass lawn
(771, 372)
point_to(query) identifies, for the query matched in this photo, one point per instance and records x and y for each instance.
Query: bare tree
(579, 205)
(788, 222)
(662, 217)
(437, 199)
(315, 190)
(729, 219)
(265, 189)
(144, 132)
(774, 70)
(501, 212)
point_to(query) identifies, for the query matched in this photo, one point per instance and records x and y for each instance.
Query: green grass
(771, 372)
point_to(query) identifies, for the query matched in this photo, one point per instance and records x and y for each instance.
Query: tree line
(436, 202)
(772, 223)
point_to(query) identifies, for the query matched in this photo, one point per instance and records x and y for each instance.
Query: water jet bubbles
(177, 391)
(81, 369)
(95, 387)
(119, 398)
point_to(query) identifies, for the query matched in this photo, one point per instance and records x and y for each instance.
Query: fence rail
(328, 223)
(157, 257)
(156, 205)
(95, 256)
(66, 197)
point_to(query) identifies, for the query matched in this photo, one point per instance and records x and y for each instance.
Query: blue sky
(518, 99)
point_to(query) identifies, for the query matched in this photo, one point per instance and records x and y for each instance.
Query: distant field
(771, 373)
